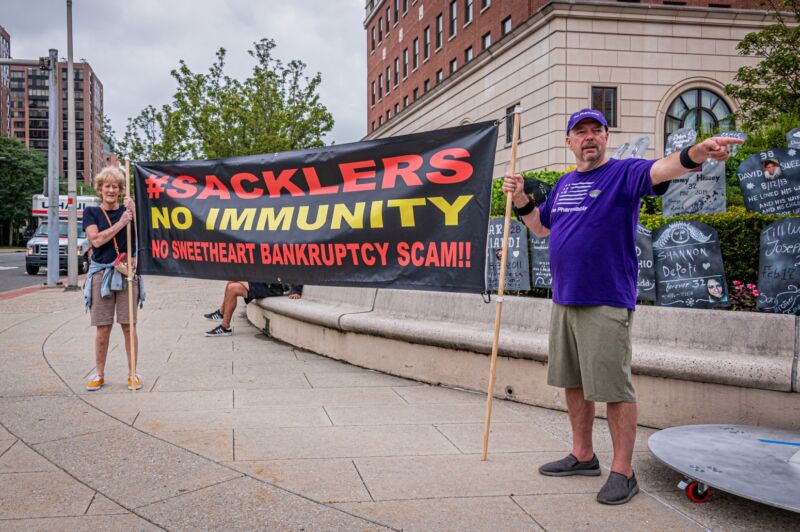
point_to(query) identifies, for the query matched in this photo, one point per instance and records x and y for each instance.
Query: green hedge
(739, 231)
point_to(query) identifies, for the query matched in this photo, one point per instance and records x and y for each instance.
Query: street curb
(10, 294)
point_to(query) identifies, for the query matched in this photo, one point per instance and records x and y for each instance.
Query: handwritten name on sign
(540, 262)
(646, 278)
(779, 267)
(688, 264)
(518, 271)
(770, 181)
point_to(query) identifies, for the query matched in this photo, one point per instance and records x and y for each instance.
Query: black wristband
(525, 209)
(687, 161)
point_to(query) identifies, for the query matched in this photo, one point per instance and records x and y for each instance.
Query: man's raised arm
(678, 163)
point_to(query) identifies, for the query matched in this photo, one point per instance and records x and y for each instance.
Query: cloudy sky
(133, 45)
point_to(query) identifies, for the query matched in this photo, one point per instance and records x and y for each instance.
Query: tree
(213, 115)
(772, 87)
(21, 173)
(109, 136)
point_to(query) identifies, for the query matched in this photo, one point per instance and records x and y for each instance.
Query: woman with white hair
(105, 291)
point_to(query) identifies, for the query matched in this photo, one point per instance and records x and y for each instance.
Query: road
(12, 272)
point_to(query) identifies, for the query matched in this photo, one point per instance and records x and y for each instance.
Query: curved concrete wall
(689, 366)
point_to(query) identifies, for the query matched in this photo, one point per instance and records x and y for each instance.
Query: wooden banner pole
(131, 324)
(500, 289)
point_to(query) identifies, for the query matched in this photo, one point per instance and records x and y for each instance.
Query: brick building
(29, 115)
(650, 66)
(5, 81)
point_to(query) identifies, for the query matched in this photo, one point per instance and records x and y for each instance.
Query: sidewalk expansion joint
(371, 498)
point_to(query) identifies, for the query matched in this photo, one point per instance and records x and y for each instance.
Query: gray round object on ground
(756, 463)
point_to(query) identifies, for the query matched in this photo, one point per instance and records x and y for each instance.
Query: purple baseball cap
(583, 114)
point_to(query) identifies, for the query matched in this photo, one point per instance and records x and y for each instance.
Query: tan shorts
(103, 309)
(590, 348)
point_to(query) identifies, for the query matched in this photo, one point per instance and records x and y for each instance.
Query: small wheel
(695, 494)
(31, 270)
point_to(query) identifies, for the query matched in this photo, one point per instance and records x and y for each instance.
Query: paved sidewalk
(245, 433)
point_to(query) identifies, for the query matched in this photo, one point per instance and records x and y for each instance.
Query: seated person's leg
(233, 290)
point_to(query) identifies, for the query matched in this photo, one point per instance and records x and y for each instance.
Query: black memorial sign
(699, 192)
(518, 271)
(779, 267)
(770, 181)
(537, 190)
(696, 192)
(688, 263)
(646, 279)
(540, 262)
(793, 138)
(679, 139)
(639, 148)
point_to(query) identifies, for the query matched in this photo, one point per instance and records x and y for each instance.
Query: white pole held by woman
(500, 287)
(130, 268)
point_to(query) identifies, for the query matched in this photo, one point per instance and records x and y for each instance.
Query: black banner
(404, 212)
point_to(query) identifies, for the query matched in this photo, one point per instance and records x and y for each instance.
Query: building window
(388, 114)
(426, 43)
(468, 55)
(388, 20)
(486, 41)
(373, 93)
(373, 125)
(396, 109)
(415, 94)
(380, 121)
(405, 6)
(373, 39)
(405, 63)
(380, 29)
(380, 86)
(415, 57)
(453, 66)
(439, 31)
(396, 71)
(505, 26)
(388, 79)
(405, 102)
(467, 12)
(396, 11)
(510, 125)
(453, 17)
(439, 76)
(485, 4)
(700, 109)
(426, 86)
(604, 99)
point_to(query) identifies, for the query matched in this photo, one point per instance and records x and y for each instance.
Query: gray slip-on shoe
(618, 489)
(570, 465)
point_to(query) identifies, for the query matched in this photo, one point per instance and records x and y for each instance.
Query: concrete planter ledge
(745, 361)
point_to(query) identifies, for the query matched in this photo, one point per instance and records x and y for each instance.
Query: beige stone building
(650, 67)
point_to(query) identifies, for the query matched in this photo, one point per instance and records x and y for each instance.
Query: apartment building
(650, 66)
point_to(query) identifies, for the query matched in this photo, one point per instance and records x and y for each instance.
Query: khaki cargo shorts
(590, 348)
(103, 309)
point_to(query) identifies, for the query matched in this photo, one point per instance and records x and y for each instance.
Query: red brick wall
(488, 20)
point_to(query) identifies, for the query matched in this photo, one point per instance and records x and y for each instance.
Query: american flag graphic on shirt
(570, 199)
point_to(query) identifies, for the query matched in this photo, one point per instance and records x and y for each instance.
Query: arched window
(700, 109)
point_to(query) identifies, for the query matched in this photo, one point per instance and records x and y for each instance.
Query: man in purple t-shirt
(591, 216)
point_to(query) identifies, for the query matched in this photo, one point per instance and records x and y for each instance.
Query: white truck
(37, 246)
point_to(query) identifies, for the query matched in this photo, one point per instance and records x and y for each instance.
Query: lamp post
(49, 63)
(72, 196)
